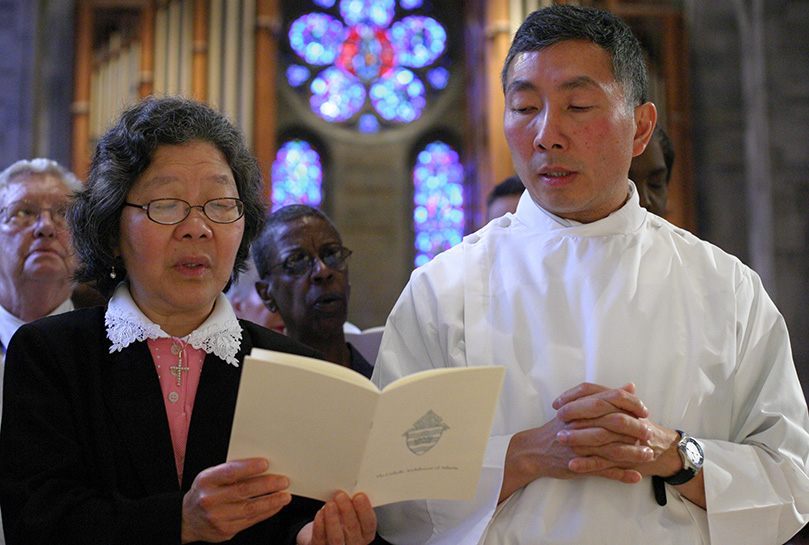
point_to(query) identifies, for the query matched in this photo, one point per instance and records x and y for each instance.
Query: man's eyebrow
(578, 82)
(520, 85)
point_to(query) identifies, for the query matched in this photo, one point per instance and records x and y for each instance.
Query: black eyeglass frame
(309, 260)
(146, 207)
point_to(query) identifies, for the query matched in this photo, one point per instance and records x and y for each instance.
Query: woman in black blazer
(117, 419)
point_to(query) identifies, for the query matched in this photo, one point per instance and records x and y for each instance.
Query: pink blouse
(178, 367)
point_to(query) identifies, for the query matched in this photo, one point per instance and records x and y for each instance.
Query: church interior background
(387, 114)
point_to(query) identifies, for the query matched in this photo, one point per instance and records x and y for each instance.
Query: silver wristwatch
(692, 456)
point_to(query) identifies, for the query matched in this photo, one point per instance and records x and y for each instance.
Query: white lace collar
(220, 334)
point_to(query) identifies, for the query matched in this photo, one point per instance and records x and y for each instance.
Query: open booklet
(328, 428)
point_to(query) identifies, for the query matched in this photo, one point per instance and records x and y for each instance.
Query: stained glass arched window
(297, 175)
(368, 64)
(438, 200)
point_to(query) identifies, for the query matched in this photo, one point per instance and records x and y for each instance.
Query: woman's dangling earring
(112, 273)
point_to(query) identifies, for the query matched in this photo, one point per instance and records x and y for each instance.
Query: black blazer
(85, 449)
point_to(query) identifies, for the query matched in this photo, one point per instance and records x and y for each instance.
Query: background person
(248, 305)
(651, 172)
(36, 259)
(504, 197)
(117, 419)
(303, 267)
(617, 329)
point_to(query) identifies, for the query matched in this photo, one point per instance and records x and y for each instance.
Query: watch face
(694, 452)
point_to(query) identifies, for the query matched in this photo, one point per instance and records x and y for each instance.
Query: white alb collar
(220, 334)
(627, 218)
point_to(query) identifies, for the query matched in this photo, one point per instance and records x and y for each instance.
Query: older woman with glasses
(117, 420)
(303, 267)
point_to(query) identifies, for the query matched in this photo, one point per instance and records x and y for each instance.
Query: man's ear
(645, 120)
(263, 289)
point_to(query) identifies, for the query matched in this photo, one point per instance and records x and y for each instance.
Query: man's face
(315, 304)
(571, 132)
(649, 172)
(34, 248)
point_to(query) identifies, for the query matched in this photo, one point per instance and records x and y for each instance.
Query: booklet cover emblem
(425, 433)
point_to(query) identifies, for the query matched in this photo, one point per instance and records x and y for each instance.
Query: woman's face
(176, 271)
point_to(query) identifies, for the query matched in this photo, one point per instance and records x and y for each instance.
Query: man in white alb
(650, 393)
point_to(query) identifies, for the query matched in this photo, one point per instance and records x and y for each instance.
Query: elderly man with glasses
(303, 267)
(36, 261)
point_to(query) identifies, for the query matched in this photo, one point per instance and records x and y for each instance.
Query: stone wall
(720, 59)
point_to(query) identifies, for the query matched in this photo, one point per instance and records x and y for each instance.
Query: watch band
(681, 477)
(659, 489)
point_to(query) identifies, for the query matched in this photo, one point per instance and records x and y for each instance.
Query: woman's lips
(192, 266)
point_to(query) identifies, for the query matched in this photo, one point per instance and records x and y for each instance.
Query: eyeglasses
(26, 213)
(173, 211)
(300, 263)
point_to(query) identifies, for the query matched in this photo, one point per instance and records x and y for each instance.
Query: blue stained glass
(375, 12)
(336, 96)
(373, 55)
(422, 242)
(438, 77)
(317, 38)
(399, 97)
(368, 123)
(297, 74)
(438, 214)
(418, 40)
(455, 194)
(297, 175)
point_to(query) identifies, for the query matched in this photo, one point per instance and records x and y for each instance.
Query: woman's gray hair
(126, 151)
(39, 165)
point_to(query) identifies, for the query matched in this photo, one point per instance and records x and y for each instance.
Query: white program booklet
(328, 428)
